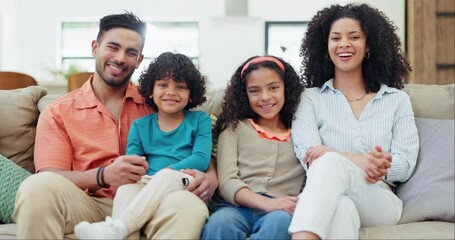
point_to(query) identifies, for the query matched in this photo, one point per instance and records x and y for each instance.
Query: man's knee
(41, 185)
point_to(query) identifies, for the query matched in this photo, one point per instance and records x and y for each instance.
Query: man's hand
(204, 184)
(124, 170)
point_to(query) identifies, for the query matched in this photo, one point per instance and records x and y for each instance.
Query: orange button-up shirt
(78, 133)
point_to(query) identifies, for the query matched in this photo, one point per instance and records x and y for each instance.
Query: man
(80, 146)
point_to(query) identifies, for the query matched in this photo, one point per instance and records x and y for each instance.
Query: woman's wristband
(100, 178)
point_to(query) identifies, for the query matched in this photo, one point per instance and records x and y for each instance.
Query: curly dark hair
(236, 105)
(386, 64)
(179, 68)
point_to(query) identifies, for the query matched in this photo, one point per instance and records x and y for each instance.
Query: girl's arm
(246, 197)
(227, 168)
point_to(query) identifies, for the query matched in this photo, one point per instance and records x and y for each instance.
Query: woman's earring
(367, 55)
(151, 96)
(327, 56)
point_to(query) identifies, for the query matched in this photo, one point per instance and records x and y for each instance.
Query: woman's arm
(405, 142)
(304, 131)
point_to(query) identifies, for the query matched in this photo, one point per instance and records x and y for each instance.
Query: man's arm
(124, 169)
(204, 184)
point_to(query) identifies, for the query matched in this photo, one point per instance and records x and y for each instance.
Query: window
(283, 39)
(76, 37)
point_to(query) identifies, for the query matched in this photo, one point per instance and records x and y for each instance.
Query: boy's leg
(123, 197)
(180, 215)
(143, 206)
(62, 204)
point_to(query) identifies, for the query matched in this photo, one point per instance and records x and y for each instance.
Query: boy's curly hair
(386, 63)
(179, 68)
(236, 105)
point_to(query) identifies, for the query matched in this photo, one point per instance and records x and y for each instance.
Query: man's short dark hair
(125, 20)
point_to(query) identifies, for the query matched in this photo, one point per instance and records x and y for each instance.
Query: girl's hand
(315, 152)
(286, 203)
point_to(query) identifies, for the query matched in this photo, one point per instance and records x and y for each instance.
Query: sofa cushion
(429, 193)
(415, 230)
(19, 115)
(432, 101)
(11, 176)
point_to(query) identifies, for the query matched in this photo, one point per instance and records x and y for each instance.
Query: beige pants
(48, 206)
(136, 204)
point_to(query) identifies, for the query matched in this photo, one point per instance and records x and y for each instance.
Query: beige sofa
(428, 196)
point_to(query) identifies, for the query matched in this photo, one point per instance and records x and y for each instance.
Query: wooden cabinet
(431, 41)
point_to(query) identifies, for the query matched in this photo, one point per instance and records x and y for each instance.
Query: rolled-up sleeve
(405, 143)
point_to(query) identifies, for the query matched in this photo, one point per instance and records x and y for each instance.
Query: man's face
(117, 55)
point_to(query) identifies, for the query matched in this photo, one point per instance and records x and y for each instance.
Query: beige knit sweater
(262, 165)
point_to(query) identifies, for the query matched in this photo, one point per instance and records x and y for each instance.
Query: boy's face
(117, 55)
(170, 97)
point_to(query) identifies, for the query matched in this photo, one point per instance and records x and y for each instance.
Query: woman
(354, 130)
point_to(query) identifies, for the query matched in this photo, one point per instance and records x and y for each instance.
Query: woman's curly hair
(179, 68)
(236, 105)
(386, 63)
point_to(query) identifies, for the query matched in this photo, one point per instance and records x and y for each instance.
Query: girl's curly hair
(386, 63)
(236, 105)
(179, 68)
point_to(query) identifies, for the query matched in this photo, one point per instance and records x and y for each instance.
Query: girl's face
(347, 45)
(169, 96)
(265, 90)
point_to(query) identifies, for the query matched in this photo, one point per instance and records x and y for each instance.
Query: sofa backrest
(432, 101)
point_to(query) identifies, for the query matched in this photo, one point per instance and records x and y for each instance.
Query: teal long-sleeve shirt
(187, 147)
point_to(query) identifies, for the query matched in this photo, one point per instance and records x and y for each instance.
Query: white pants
(136, 203)
(337, 200)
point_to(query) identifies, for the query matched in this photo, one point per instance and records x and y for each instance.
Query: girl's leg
(227, 222)
(331, 177)
(273, 225)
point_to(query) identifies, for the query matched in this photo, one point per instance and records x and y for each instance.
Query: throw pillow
(11, 176)
(19, 115)
(432, 101)
(429, 193)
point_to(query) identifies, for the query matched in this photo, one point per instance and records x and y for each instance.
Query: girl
(171, 139)
(259, 175)
(354, 130)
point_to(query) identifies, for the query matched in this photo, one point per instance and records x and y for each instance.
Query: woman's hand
(315, 152)
(376, 164)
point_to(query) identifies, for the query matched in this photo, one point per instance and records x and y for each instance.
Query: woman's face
(347, 45)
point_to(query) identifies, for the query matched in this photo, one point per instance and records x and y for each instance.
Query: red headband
(262, 59)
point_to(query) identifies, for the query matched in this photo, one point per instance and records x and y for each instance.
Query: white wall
(29, 28)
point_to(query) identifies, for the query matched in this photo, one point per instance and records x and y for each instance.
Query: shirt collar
(384, 88)
(328, 84)
(88, 99)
